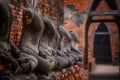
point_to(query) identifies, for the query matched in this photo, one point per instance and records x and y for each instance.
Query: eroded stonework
(43, 48)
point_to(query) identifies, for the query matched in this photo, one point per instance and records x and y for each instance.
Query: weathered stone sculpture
(43, 48)
(12, 59)
(5, 27)
(49, 45)
(64, 46)
(74, 46)
(46, 45)
(61, 61)
(32, 32)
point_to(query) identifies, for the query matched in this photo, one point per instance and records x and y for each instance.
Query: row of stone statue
(43, 48)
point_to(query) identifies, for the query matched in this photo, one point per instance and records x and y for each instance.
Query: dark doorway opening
(102, 45)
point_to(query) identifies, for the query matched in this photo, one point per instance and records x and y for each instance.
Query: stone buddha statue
(13, 60)
(32, 34)
(74, 46)
(64, 44)
(46, 49)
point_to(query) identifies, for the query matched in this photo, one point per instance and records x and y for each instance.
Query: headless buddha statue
(46, 44)
(32, 33)
(13, 60)
(74, 46)
(64, 44)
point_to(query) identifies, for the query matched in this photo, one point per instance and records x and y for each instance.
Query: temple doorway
(102, 44)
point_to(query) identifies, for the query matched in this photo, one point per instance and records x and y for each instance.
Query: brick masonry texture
(54, 9)
(81, 6)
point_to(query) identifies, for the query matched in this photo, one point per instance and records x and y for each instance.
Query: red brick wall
(55, 11)
(52, 8)
(17, 7)
(81, 5)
